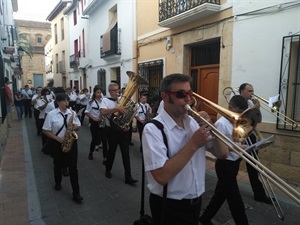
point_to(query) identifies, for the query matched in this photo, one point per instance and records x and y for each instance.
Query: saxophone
(70, 135)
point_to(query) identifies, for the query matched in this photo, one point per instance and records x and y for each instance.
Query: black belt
(184, 201)
(193, 201)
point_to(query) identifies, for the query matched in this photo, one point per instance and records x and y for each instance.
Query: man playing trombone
(246, 91)
(227, 170)
(181, 165)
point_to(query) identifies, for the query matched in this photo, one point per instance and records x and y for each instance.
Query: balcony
(176, 13)
(74, 61)
(62, 66)
(110, 46)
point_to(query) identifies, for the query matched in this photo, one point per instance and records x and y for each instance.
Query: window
(152, 72)
(75, 17)
(101, 75)
(83, 44)
(62, 29)
(39, 40)
(55, 33)
(289, 89)
(76, 48)
(81, 5)
(56, 62)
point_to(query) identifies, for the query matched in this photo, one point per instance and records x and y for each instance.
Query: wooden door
(207, 86)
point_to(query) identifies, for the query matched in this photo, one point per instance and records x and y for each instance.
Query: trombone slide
(277, 181)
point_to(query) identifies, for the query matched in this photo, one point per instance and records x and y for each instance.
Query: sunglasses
(181, 94)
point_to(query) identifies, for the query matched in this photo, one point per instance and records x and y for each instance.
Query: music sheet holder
(259, 143)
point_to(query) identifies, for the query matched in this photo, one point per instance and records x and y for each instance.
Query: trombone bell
(275, 106)
(243, 123)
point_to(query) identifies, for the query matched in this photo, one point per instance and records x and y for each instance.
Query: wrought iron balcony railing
(171, 8)
(74, 61)
(111, 46)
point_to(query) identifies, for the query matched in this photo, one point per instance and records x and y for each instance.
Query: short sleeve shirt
(93, 107)
(226, 127)
(55, 120)
(108, 103)
(189, 182)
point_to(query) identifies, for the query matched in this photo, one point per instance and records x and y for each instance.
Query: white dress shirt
(226, 127)
(189, 183)
(93, 108)
(55, 120)
(107, 103)
(142, 110)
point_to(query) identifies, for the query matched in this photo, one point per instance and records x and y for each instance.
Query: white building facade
(10, 66)
(261, 58)
(78, 45)
(111, 41)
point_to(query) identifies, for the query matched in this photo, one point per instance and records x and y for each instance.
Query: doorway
(205, 60)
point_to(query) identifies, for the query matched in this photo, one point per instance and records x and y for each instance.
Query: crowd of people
(60, 112)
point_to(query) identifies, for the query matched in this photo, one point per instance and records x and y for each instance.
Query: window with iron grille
(110, 44)
(289, 84)
(151, 71)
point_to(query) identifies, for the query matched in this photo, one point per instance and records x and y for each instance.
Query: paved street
(111, 201)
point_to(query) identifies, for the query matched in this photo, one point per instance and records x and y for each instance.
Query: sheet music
(272, 100)
(257, 144)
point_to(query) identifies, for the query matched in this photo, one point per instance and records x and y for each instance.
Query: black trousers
(256, 185)
(98, 137)
(36, 114)
(83, 114)
(114, 139)
(227, 189)
(140, 127)
(27, 108)
(60, 159)
(72, 105)
(175, 212)
(40, 127)
(103, 140)
(95, 132)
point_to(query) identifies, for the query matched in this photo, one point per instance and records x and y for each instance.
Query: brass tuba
(122, 121)
(70, 135)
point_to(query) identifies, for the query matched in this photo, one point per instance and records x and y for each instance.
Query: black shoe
(104, 161)
(91, 156)
(77, 198)
(131, 144)
(108, 174)
(65, 172)
(57, 187)
(130, 181)
(266, 200)
(205, 222)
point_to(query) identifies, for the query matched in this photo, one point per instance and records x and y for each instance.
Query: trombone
(274, 108)
(241, 132)
(268, 187)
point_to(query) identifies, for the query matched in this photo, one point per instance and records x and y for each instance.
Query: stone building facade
(38, 34)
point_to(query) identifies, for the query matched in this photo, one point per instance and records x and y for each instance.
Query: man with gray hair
(115, 137)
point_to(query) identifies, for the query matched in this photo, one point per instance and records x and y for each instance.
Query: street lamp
(18, 70)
